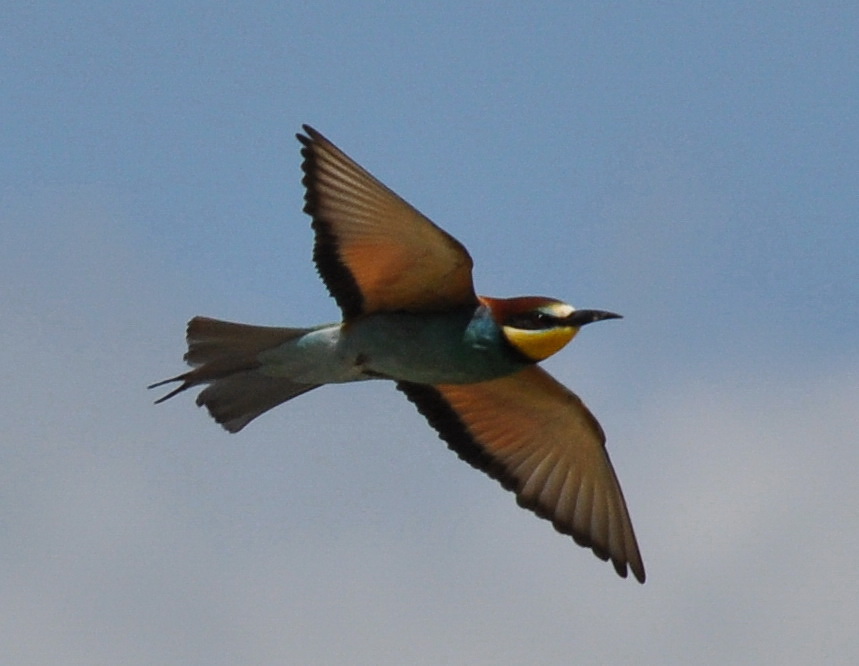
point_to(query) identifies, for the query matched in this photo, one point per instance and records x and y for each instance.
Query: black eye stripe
(532, 321)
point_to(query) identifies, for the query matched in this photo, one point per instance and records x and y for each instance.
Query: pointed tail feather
(225, 355)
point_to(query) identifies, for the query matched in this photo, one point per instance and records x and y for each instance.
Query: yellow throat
(538, 345)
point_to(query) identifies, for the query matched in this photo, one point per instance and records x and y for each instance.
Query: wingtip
(638, 571)
(622, 564)
(310, 135)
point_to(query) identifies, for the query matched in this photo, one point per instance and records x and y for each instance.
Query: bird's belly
(317, 357)
(427, 349)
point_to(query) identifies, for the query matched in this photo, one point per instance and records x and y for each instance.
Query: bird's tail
(225, 355)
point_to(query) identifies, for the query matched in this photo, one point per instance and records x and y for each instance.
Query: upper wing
(539, 440)
(373, 250)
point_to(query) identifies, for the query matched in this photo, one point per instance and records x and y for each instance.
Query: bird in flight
(467, 362)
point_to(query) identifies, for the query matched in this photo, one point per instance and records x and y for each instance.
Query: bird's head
(536, 326)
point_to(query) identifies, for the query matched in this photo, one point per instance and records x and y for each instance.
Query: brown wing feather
(539, 440)
(374, 251)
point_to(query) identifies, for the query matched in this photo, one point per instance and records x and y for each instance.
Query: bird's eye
(531, 321)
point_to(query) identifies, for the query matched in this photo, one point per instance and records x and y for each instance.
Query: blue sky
(693, 167)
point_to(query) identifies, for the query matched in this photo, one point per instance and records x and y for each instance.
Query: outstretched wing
(539, 440)
(374, 251)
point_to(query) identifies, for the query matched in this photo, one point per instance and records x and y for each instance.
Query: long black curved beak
(581, 317)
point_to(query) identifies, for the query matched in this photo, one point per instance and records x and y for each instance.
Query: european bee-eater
(468, 362)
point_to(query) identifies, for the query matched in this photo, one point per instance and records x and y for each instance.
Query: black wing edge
(337, 277)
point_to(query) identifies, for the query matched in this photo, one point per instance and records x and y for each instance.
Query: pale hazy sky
(693, 167)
